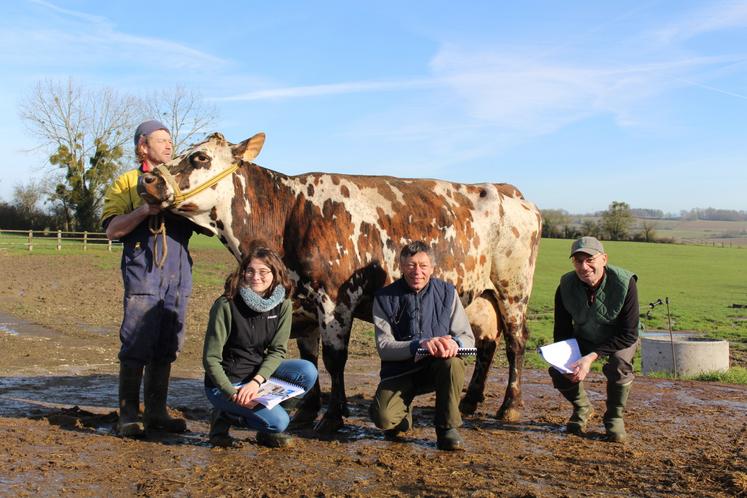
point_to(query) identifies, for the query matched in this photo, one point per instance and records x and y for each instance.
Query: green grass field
(18, 243)
(702, 284)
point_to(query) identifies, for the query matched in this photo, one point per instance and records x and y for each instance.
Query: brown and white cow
(340, 236)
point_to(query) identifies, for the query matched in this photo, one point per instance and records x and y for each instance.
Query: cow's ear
(249, 148)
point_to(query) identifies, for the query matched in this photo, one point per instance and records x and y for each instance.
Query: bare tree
(27, 197)
(74, 116)
(88, 136)
(84, 131)
(184, 111)
(648, 230)
(26, 212)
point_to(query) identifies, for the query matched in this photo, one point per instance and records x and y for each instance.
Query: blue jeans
(260, 418)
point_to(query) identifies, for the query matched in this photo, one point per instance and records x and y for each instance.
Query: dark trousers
(394, 396)
(153, 327)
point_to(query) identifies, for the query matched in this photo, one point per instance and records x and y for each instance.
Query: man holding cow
(597, 303)
(416, 312)
(157, 275)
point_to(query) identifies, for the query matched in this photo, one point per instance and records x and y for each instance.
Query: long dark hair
(258, 250)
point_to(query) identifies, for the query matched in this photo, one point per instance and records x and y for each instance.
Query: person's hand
(246, 394)
(581, 367)
(149, 209)
(441, 347)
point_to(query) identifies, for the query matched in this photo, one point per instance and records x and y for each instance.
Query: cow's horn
(249, 148)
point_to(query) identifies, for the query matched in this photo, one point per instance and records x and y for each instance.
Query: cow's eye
(200, 158)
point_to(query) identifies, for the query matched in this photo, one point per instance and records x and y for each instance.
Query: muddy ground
(58, 343)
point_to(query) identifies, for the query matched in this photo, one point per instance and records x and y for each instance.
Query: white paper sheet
(561, 355)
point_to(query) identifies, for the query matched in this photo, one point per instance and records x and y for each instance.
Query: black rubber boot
(130, 376)
(617, 398)
(156, 389)
(582, 408)
(219, 427)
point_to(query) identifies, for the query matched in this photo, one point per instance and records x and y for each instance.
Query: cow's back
(345, 223)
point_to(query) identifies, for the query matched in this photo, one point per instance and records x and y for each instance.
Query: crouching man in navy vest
(415, 312)
(597, 303)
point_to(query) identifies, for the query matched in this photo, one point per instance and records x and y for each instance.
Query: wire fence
(57, 239)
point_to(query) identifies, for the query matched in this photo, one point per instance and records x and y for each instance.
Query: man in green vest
(597, 304)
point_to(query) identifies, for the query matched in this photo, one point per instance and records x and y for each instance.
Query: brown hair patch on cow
(516, 232)
(345, 191)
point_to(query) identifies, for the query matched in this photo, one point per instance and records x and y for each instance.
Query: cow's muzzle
(152, 188)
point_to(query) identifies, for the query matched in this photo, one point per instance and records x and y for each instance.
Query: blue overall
(155, 298)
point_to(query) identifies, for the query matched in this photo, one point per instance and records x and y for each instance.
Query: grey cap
(147, 127)
(587, 245)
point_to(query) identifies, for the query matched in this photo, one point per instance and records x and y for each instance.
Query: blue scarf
(260, 304)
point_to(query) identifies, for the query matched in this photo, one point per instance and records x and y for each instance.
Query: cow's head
(196, 181)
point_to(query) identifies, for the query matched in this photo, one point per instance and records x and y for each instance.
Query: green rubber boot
(128, 424)
(582, 408)
(617, 397)
(156, 387)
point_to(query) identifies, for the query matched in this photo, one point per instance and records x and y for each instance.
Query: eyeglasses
(582, 261)
(263, 272)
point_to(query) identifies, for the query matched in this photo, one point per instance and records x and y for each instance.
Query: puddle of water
(685, 397)
(5, 329)
(98, 330)
(13, 326)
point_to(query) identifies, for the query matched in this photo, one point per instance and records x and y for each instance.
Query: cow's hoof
(328, 425)
(467, 406)
(508, 415)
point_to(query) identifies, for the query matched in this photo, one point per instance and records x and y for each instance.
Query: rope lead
(156, 225)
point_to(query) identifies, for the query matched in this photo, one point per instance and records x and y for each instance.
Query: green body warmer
(595, 323)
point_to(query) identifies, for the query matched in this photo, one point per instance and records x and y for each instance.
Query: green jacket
(595, 324)
(218, 329)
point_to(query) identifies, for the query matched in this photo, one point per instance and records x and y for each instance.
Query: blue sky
(576, 103)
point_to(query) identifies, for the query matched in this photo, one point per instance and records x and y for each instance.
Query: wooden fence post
(31, 240)
(110, 245)
(85, 241)
(59, 240)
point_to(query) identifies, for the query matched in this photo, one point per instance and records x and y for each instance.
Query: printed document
(561, 355)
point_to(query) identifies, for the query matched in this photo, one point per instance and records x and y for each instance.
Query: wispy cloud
(713, 17)
(330, 89)
(530, 95)
(94, 39)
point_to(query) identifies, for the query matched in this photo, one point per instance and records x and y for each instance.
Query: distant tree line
(616, 223)
(712, 214)
(709, 214)
(87, 134)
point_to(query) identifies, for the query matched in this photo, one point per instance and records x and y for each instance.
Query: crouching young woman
(246, 342)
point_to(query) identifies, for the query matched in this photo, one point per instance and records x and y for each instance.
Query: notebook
(274, 391)
(423, 352)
